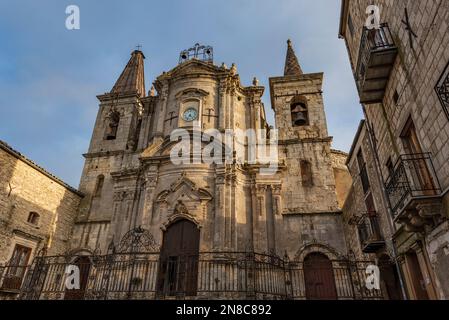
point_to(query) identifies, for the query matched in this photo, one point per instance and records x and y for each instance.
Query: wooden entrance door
(319, 278)
(16, 268)
(178, 273)
(417, 279)
(420, 171)
(83, 263)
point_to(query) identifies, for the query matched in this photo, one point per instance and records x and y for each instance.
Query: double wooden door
(178, 269)
(319, 278)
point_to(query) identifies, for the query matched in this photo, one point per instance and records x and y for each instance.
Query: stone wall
(410, 95)
(343, 179)
(25, 188)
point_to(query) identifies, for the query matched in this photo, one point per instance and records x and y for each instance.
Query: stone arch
(78, 252)
(299, 111)
(317, 247)
(112, 124)
(180, 215)
(84, 263)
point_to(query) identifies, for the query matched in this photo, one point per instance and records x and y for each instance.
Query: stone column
(271, 245)
(219, 214)
(260, 240)
(163, 109)
(221, 106)
(148, 197)
(277, 215)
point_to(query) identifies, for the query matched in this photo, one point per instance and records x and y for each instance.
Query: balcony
(11, 277)
(371, 239)
(377, 55)
(414, 191)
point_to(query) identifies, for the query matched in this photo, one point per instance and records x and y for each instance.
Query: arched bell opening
(299, 111)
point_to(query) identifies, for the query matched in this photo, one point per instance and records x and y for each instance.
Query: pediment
(192, 67)
(184, 190)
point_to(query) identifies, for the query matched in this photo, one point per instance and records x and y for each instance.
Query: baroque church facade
(129, 179)
(142, 226)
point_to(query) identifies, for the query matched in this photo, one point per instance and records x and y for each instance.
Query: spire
(292, 67)
(132, 78)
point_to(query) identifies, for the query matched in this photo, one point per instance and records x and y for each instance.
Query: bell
(299, 119)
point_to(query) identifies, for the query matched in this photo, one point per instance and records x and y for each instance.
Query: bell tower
(297, 101)
(115, 140)
(304, 143)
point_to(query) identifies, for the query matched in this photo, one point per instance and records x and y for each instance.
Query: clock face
(190, 114)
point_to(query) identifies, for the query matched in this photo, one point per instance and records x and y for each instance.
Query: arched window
(113, 120)
(99, 186)
(33, 218)
(306, 173)
(299, 111)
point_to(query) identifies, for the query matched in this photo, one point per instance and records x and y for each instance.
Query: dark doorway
(178, 273)
(390, 279)
(319, 278)
(83, 263)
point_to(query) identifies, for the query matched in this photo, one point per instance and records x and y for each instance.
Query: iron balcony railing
(11, 277)
(413, 176)
(370, 234)
(208, 275)
(377, 50)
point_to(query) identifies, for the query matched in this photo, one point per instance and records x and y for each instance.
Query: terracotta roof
(132, 79)
(18, 155)
(292, 67)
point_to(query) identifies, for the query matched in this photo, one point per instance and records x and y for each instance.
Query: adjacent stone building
(399, 161)
(37, 212)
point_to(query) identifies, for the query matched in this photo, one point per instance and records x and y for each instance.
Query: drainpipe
(385, 200)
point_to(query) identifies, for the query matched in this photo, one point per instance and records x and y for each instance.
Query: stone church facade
(129, 180)
(227, 220)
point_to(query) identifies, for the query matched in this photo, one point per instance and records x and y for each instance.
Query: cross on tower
(138, 47)
(171, 115)
(210, 115)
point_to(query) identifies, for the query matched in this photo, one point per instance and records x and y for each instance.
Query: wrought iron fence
(208, 275)
(413, 176)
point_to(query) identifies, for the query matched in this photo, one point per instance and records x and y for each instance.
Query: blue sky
(50, 76)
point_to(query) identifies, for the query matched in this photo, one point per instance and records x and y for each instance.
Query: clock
(190, 114)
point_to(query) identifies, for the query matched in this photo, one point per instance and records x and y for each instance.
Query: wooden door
(178, 273)
(319, 278)
(417, 278)
(83, 263)
(420, 171)
(16, 268)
